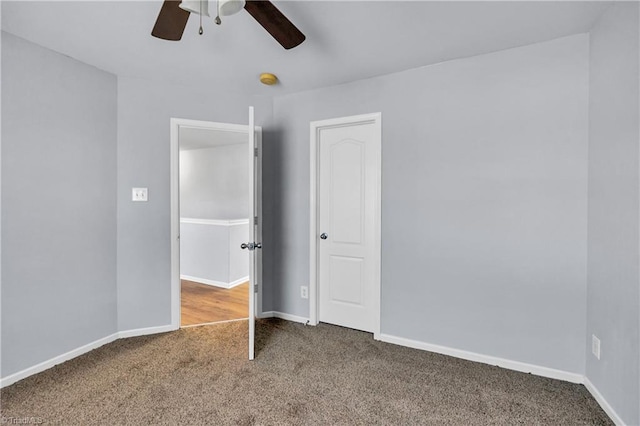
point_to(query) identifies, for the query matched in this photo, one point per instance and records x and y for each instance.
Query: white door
(252, 245)
(347, 224)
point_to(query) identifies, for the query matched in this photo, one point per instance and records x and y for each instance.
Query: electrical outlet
(139, 194)
(595, 346)
(304, 292)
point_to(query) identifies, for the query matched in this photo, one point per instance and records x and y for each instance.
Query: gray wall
(144, 258)
(484, 200)
(204, 251)
(58, 204)
(238, 259)
(214, 183)
(212, 251)
(613, 312)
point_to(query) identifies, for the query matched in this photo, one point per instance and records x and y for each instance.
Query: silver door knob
(323, 236)
(251, 246)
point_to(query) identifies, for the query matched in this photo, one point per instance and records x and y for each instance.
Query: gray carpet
(322, 375)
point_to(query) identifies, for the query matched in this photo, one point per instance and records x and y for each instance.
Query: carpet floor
(324, 375)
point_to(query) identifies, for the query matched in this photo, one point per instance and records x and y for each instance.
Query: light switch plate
(139, 194)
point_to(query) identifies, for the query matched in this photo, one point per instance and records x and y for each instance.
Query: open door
(254, 236)
(254, 231)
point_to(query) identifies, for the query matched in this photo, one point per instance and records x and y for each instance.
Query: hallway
(202, 304)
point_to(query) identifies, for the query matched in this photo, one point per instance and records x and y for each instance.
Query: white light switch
(139, 194)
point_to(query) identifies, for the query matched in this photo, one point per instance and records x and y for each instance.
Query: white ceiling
(198, 138)
(346, 40)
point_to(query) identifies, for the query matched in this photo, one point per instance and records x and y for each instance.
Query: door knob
(251, 246)
(323, 236)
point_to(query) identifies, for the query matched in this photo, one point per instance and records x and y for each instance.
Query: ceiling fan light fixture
(230, 7)
(196, 6)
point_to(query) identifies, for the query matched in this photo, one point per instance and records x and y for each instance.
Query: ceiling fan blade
(171, 21)
(275, 23)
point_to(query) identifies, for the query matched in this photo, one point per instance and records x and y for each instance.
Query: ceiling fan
(174, 14)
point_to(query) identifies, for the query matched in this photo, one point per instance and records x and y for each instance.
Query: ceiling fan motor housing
(199, 7)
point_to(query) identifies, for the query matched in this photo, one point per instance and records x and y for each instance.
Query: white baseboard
(215, 222)
(220, 284)
(603, 402)
(214, 323)
(45, 365)
(457, 353)
(238, 282)
(145, 331)
(511, 365)
(282, 315)
(485, 359)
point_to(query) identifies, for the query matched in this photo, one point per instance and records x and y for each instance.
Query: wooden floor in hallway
(202, 303)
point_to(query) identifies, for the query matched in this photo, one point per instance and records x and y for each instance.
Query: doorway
(215, 212)
(214, 222)
(345, 222)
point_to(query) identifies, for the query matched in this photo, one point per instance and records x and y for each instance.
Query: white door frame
(176, 124)
(316, 127)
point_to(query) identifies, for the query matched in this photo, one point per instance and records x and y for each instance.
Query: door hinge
(255, 220)
(255, 152)
(255, 288)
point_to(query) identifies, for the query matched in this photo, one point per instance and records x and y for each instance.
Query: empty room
(422, 212)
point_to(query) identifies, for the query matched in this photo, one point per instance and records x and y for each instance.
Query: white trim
(201, 124)
(213, 283)
(258, 226)
(214, 322)
(174, 196)
(175, 124)
(216, 222)
(45, 365)
(145, 331)
(282, 315)
(313, 227)
(238, 282)
(315, 127)
(603, 402)
(457, 353)
(253, 237)
(485, 359)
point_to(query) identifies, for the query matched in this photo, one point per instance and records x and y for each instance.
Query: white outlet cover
(304, 292)
(139, 194)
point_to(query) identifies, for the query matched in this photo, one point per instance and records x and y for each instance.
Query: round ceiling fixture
(229, 7)
(268, 79)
